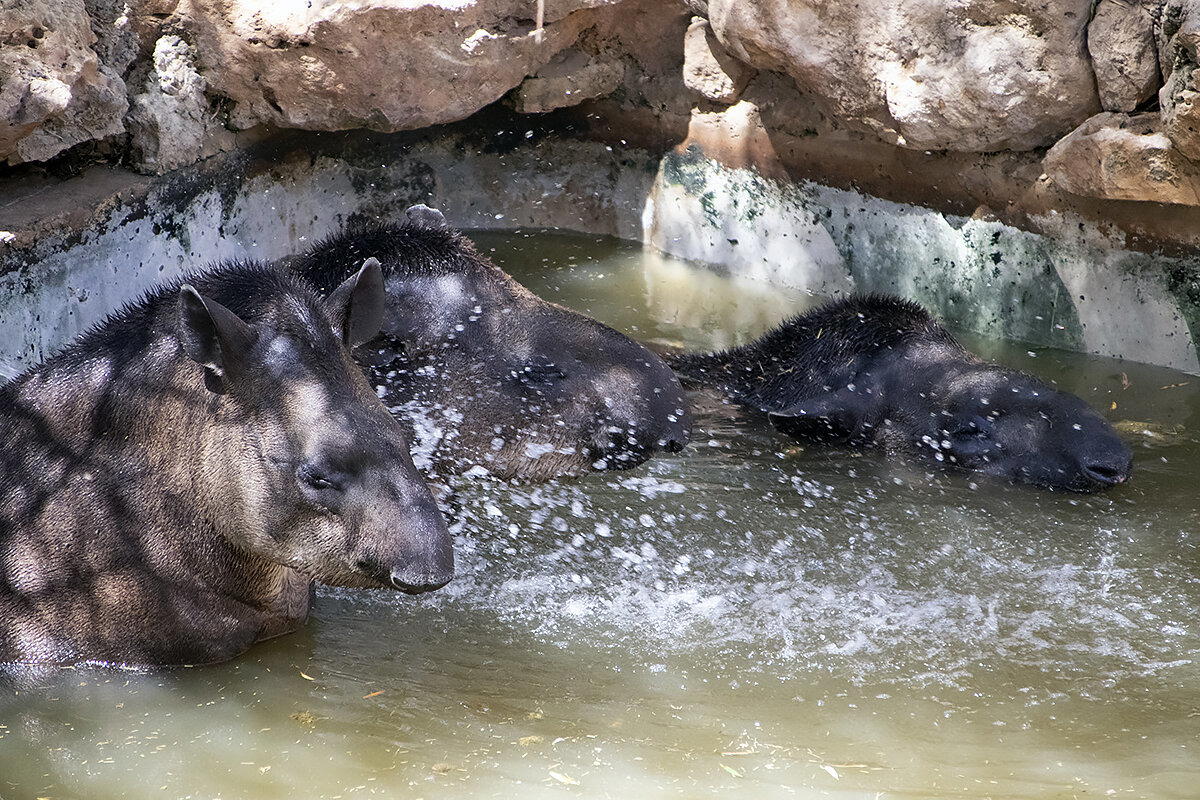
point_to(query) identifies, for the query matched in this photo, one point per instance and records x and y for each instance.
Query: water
(746, 619)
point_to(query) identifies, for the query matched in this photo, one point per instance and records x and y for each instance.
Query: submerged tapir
(879, 370)
(171, 482)
(498, 378)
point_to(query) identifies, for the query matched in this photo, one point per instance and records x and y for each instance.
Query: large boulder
(1178, 36)
(55, 92)
(1122, 46)
(387, 65)
(1123, 157)
(970, 75)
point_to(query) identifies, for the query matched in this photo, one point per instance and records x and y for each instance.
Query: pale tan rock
(1116, 156)
(1122, 46)
(171, 123)
(570, 78)
(54, 91)
(387, 65)
(708, 69)
(968, 75)
(1178, 36)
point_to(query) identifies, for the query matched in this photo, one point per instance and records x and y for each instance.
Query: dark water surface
(744, 619)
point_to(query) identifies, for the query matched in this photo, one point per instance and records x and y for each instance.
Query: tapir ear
(214, 337)
(844, 415)
(422, 216)
(356, 307)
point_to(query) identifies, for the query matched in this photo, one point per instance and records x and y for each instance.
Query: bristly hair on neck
(404, 249)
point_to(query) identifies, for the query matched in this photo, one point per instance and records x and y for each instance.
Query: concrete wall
(1074, 290)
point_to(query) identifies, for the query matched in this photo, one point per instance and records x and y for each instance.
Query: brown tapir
(503, 380)
(171, 482)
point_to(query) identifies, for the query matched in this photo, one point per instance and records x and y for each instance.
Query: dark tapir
(878, 370)
(171, 482)
(502, 379)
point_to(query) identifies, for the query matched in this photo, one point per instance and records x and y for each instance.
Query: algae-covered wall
(1075, 290)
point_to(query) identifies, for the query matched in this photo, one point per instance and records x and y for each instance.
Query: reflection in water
(747, 618)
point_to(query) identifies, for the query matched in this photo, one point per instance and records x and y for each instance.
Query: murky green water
(746, 619)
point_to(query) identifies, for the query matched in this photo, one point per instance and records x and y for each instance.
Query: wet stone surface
(747, 618)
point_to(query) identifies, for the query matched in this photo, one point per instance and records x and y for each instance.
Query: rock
(379, 64)
(708, 69)
(1122, 45)
(570, 78)
(54, 91)
(171, 122)
(1178, 36)
(112, 22)
(1124, 157)
(967, 75)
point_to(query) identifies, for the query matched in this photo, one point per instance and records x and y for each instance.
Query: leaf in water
(442, 767)
(1113, 406)
(372, 694)
(737, 773)
(1156, 432)
(565, 779)
(831, 771)
(525, 741)
(307, 677)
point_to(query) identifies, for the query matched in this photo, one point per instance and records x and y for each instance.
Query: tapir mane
(255, 291)
(839, 331)
(403, 249)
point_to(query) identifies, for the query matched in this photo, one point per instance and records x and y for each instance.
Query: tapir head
(966, 414)
(316, 475)
(533, 389)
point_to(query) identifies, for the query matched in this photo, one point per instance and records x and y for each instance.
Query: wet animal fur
(815, 352)
(120, 493)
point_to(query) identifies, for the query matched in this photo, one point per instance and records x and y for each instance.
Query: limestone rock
(171, 123)
(1123, 157)
(387, 65)
(708, 69)
(966, 75)
(1178, 36)
(54, 91)
(1122, 46)
(570, 78)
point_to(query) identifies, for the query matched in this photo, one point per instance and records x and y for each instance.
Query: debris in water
(372, 694)
(306, 719)
(307, 677)
(525, 741)
(737, 773)
(565, 779)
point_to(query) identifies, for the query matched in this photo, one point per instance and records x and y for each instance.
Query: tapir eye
(539, 373)
(317, 479)
(974, 427)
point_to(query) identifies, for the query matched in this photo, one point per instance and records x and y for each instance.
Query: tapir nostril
(1106, 474)
(673, 445)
